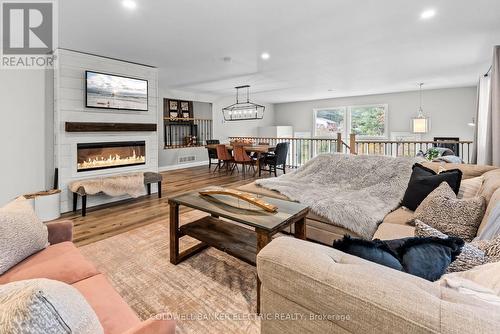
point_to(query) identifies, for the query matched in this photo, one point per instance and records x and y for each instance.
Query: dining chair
(275, 160)
(241, 157)
(212, 153)
(225, 157)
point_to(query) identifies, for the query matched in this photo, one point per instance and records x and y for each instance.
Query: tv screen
(106, 91)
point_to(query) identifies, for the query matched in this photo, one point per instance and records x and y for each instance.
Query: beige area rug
(210, 292)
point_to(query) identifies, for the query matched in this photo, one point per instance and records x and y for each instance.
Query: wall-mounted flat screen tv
(107, 91)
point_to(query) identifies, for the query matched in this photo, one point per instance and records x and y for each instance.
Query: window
(367, 122)
(329, 122)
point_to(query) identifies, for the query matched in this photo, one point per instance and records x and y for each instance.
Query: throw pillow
(492, 228)
(454, 217)
(470, 188)
(490, 247)
(372, 251)
(21, 233)
(424, 180)
(486, 275)
(429, 258)
(45, 306)
(470, 257)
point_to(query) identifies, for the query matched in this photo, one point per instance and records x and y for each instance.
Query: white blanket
(352, 191)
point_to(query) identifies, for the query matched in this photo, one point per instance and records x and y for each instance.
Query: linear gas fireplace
(96, 156)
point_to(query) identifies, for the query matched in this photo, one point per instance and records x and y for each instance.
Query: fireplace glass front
(96, 156)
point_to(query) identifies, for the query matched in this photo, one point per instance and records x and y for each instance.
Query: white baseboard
(181, 166)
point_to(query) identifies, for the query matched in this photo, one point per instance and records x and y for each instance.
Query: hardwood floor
(111, 219)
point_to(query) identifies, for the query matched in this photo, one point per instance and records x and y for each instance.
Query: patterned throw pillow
(490, 247)
(470, 256)
(21, 233)
(45, 306)
(454, 217)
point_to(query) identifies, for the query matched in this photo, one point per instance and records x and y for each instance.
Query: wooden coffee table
(243, 242)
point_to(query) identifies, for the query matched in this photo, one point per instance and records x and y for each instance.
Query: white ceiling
(353, 47)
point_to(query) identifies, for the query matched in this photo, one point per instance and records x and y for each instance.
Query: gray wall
(25, 132)
(449, 109)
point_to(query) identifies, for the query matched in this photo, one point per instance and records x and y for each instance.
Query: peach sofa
(62, 261)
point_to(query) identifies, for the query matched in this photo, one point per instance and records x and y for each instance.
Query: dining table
(249, 148)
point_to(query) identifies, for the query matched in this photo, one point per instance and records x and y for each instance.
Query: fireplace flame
(111, 160)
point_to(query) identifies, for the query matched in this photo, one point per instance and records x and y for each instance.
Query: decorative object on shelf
(173, 108)
(172, 105)
(247, 197)
(190, 141)
(185, 109)
(177, 110)
(242, 111)
(421, 123)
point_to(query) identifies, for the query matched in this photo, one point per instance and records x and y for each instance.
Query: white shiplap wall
(69, 106)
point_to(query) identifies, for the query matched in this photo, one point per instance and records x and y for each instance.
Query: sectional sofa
(328, 291)
(321, 230)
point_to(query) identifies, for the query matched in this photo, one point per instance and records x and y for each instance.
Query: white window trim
(348, 124)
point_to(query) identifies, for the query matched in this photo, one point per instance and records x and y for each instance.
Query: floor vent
(188, 158)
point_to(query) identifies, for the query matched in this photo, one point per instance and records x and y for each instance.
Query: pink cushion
(115, 315)
(62, 262)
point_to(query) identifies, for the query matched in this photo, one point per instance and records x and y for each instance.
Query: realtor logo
(27, 34)
(27, 28)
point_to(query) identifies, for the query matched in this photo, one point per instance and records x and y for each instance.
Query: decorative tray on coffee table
(247, 197)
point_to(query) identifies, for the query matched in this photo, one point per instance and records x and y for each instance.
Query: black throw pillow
(374, 251)
(424, 180)
(429, 257)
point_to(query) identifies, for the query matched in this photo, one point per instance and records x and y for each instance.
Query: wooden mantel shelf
(108, 127)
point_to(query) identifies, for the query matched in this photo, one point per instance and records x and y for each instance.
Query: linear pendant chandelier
(243, 111)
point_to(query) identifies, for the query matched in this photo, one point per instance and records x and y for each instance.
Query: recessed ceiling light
(265, 56)
(129, 4)
(427, 14)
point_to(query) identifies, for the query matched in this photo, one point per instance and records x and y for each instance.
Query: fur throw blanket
(352, 191)
(125, 184)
